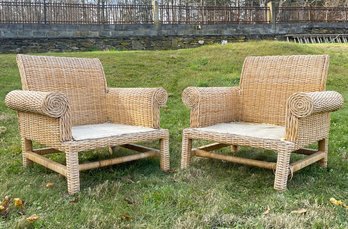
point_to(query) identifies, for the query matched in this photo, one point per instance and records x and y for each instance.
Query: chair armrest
(212, 105)
(136, 106)
(51, 104)
(43, 116)
(308, 103)
(307, 118)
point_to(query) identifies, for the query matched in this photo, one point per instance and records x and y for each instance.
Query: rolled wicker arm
(136, 106)
(43, 116)
(307, 118)
(51, 104)
(306, 104)
(212, 105)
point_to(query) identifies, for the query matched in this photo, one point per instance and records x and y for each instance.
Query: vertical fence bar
(155, 12)
(45, 12)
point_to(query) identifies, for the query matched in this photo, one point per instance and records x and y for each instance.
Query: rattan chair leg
(165, 160)
(234, 148)
(112, 149)
(323, 146)
(282, 170)
(27, 146)
(73, 172)
(186, 152)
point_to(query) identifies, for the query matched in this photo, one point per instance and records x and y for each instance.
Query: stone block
(105, 33)
(39, 34)
(53, 34)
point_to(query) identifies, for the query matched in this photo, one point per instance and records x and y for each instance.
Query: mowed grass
(211, 193)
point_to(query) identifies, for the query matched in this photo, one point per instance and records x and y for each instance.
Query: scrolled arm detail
(42, 112)
(51, 104)
(160, 96)
(307, 118)
(191, 96)
(211, 105)
(305, 104)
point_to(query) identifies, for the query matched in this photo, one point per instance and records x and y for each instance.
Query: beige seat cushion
(104, 130)
(257, 130)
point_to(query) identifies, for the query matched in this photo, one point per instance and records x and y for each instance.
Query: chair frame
(282, 167)
(46, 117)
(306, 115)
(72, 168)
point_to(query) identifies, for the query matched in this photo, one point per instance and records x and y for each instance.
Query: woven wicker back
(267, 82)
(81, 80)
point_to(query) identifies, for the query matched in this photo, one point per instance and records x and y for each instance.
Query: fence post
(104, 12)
(272, 13)
(269, 12)
(45, 12)
(155, 12)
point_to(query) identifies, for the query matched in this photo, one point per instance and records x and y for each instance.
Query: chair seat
(105, 130)
(255, 130)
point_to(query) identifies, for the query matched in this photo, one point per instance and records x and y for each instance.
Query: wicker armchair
(280, 105)
(66, 105)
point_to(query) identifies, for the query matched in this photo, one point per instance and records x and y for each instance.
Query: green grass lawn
(211, 193)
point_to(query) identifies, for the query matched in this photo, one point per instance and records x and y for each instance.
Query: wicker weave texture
(308, 117)
(51, 104)
(81, 80)
(306, 104)
(46, 130)
(287, 91)
(136, 106)
(212, 105)
(310, 129)
(61, 93)
(267, 83)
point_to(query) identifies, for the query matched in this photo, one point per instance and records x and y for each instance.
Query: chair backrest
(268, 81)
(82, 80)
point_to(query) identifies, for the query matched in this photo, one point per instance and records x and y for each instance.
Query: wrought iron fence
(65, 13)
(311, 14)
(184, 14)
(69, 13)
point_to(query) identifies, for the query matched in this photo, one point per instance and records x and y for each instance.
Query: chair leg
(323, 146)
(27, 145)
(282, 170)
(186, 152)
(112, 149)
(165, 159)
(73, 172)
(234, 148)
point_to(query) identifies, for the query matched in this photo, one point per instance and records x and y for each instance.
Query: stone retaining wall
(23, 38)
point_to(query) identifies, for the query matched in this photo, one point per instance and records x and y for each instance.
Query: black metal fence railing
(69, 13)
(169, 14)
(65, 13)
(312, 14)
